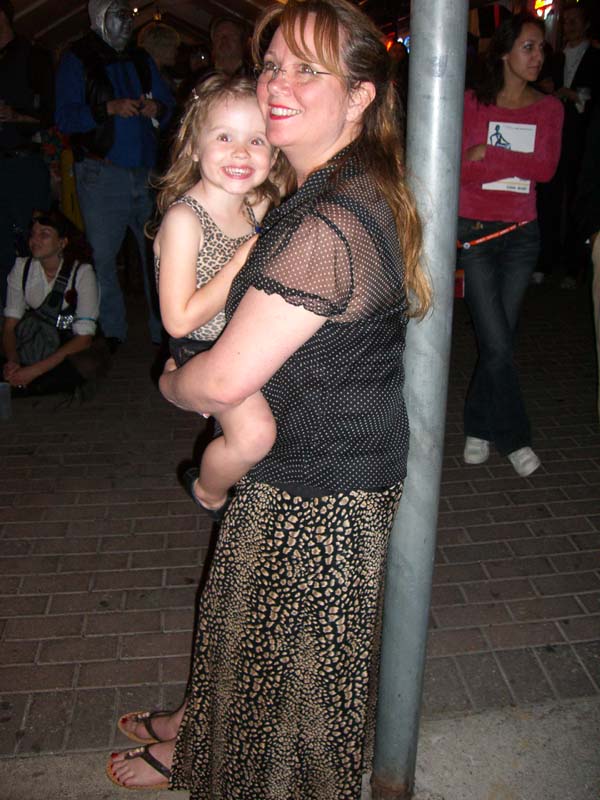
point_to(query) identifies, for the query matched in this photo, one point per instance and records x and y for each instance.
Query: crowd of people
(287, 264)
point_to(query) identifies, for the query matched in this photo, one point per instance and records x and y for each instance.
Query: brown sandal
(144, 717)
(145, 754)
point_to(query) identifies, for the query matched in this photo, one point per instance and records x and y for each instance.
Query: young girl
(212, 197)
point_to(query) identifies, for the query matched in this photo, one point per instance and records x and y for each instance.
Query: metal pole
(435, 106)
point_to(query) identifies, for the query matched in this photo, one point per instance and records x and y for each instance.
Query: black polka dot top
(341, 421)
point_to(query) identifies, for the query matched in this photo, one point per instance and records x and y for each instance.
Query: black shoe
(190, 476)
(113, 344)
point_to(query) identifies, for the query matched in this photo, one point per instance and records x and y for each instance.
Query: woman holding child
(284, 676)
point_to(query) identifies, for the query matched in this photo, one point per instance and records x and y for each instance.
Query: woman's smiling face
(312, 118)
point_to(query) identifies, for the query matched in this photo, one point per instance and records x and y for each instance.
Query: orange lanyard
(495, 235)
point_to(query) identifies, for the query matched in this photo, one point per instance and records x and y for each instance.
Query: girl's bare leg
(249, 432)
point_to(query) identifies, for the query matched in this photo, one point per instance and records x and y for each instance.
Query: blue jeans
(113, 199)
(497, 274)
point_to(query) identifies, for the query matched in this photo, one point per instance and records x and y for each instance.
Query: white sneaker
(524, 461)
(477, 451)
(537, 278)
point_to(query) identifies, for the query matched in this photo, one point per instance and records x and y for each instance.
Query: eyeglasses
(296, 74)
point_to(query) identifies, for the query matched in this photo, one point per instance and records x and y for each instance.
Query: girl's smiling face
(233, 152)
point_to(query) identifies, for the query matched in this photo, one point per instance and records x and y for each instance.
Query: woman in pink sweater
(511, 140)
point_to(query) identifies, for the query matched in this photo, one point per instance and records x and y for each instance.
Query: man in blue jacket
(111, 100)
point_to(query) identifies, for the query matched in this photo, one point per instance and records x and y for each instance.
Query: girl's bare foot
(130, 769)
(151, 726)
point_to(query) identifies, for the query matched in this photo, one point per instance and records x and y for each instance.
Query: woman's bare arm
(263, 333)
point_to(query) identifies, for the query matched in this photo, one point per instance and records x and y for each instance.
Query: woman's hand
(23, 376)
(239, 258)
(9, 368)
(567, 94)
(475, 153)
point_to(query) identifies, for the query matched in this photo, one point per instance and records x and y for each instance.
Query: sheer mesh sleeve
(311, 266)
(334, 259)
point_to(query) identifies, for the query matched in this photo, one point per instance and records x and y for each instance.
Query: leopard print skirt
(284, 674)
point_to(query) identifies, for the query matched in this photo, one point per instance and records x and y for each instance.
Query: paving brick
(577, 561)
(589, 655)
(171, 558)
(452, 642)
(544, 608)
(565, 671)
(163, 598)
(100, 527)
(464, 554)
(457, 573)
(152, 645)
(119, 673)
(162, 524)
(587, 541)
(9, 586)
(489, 591)
(526, 634)
(570, 508)
(78, 650)
(462, 519)
(94, 562)
(44, 627)
(444, 595)
(175, 669)
(515, 567)
(520, 513)
(44, 728)
(74, 513)
(122, 622)
(591, 602)
(476, 501)
(149, 542)
(190, 576)
(18, 606)
(178, 620)
(551, 527)
(13, 652)
(13, 547)
(12, 714)
(94, 718)
(86, 601)
(464, 616)
(525, 676)
(444, 691)
(485, 682)
(498, 531)
(580, 629)
(32, 678)
(128, 579)
(566, 584)
(59, 582)
(65, 545)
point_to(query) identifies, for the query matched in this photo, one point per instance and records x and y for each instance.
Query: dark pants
(24, 187)
(64, 378)
(497, 274)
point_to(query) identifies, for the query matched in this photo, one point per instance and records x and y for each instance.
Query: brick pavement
(101, 551)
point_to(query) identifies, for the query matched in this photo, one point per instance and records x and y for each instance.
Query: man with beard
(112, 100)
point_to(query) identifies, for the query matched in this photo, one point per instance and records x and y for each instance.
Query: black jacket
(95, 54)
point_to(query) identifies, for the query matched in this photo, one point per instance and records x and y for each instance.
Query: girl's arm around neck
(184, 307)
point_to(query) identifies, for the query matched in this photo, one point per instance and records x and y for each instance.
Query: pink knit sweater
(498, 163)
